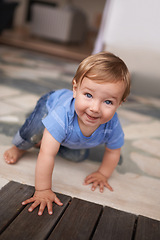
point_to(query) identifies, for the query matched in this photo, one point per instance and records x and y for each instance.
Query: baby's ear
(122, 101)
(74, 87)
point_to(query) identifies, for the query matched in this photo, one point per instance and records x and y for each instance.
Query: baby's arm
(43, 195)
(100, 177)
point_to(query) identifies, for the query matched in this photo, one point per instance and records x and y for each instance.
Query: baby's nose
(95, 106)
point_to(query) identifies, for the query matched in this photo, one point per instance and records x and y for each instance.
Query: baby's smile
(91, 117)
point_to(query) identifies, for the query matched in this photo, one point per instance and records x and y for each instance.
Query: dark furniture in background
(30, 4)
(7, 10)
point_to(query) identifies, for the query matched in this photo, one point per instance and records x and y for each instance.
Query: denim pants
(31, 133)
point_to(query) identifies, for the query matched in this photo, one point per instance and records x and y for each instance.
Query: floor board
(115, 224)
(76, 220)
(147, 229)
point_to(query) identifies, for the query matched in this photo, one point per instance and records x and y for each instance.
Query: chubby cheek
(107, 115)
(79, 107)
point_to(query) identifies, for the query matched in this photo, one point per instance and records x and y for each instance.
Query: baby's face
(96, 103)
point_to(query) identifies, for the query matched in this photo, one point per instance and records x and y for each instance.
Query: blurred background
(63, 28)
(74, 29)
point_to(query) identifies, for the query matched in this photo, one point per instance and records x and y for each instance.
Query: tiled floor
(24, 76)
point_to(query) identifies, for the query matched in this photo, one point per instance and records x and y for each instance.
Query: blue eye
(108, 102)
(88, 95)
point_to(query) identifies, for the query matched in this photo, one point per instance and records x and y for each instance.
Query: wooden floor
(21, 38)
(75, 220)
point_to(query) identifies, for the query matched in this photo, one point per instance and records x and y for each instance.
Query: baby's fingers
(49, 206)
(41, 208)
(108, 186)
(94, 186)
(33, 206)
(90, 180)
(88, 177)
(57, 201)
(101, 187)
(28, 201)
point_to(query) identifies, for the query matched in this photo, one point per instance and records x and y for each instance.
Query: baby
(71, 122)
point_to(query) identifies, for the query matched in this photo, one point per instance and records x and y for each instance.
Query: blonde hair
(104, 67)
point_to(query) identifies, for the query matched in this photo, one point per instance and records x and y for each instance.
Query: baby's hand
(96, 179)
(43, 198)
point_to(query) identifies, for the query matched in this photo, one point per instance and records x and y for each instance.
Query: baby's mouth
(91, 117)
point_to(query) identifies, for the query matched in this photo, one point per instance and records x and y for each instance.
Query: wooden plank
(147, 229)
(31, 226)
(78, 221)
(115, 225)
(11, 196)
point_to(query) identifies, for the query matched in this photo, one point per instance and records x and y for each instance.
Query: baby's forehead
(101, 79)
(95, 81)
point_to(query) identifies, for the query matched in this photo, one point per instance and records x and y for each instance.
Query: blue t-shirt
(62, 123)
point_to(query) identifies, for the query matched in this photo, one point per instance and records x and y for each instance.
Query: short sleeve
(116, 137)
(56, 123)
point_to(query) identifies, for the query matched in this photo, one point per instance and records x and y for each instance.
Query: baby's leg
(13, 154)
(29, 134)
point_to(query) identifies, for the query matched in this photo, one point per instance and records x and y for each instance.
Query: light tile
(7, 108)
(25, 101)
(3, 182)
(21, 72)
(142, 130)
(149, 165)
(8, 92)
(133, 116)
(149, 145)
(9, 119)
(151, 101)
(6, 140)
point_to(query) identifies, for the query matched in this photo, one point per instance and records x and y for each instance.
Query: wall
(132, 32)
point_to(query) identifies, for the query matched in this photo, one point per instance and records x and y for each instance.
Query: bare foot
(13, 154)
